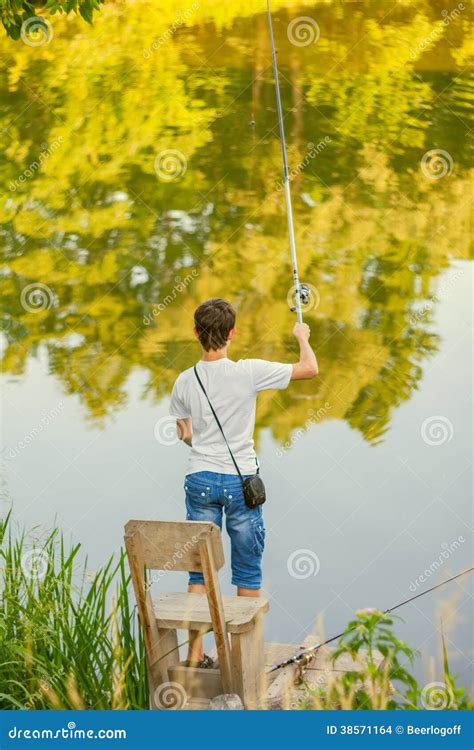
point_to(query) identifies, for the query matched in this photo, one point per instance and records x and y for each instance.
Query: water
(368, 466)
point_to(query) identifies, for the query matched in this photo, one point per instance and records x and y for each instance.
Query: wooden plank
(151, 633)
(191, 611)
(174, 545)
(248, 663)
(199, 684)
(277, 652)
(284, 692)
(281, 683)
(197, 705)
(167, 653)
(216, 609)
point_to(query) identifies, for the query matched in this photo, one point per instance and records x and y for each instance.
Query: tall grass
(72, 640)
(67, 639)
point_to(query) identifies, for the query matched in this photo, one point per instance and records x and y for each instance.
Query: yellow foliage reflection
(127, 253)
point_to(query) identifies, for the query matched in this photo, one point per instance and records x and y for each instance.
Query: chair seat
(191, 611)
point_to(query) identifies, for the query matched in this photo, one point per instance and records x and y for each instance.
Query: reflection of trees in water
(113, 242)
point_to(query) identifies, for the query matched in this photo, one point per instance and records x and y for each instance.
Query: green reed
(68, 639)
(372, 685)
(71, 639)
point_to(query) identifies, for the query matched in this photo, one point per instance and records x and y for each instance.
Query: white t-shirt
(232, 388)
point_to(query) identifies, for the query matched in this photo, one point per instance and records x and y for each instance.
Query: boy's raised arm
(307, 367)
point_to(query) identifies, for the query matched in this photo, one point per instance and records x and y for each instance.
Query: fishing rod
(306, 655)
(301, 292)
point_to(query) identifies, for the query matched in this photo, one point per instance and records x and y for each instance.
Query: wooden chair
(194, 546)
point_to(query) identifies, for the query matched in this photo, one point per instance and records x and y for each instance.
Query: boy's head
(214, 323)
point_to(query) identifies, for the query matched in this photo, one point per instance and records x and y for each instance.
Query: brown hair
(214, 320)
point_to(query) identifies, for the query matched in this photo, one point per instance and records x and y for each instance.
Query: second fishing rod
(307, 653)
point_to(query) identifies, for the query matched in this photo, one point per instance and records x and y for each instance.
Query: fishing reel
(304, 295)
(304, 660)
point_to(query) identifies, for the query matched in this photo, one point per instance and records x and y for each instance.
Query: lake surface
(141, 174)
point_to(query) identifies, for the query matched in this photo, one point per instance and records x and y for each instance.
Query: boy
(212, 484)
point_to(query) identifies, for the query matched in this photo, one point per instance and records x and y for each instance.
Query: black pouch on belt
(254, 491)
(253, 487)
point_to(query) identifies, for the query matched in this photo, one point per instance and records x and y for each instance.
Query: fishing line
(299, 293)
(307, 651)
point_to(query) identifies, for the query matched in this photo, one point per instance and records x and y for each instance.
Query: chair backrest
(174, 545)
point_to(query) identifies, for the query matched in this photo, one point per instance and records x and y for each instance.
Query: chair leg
(158, 678)
(216, 609)
(248, 662)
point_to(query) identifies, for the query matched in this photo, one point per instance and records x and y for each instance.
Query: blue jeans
(208, 494)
